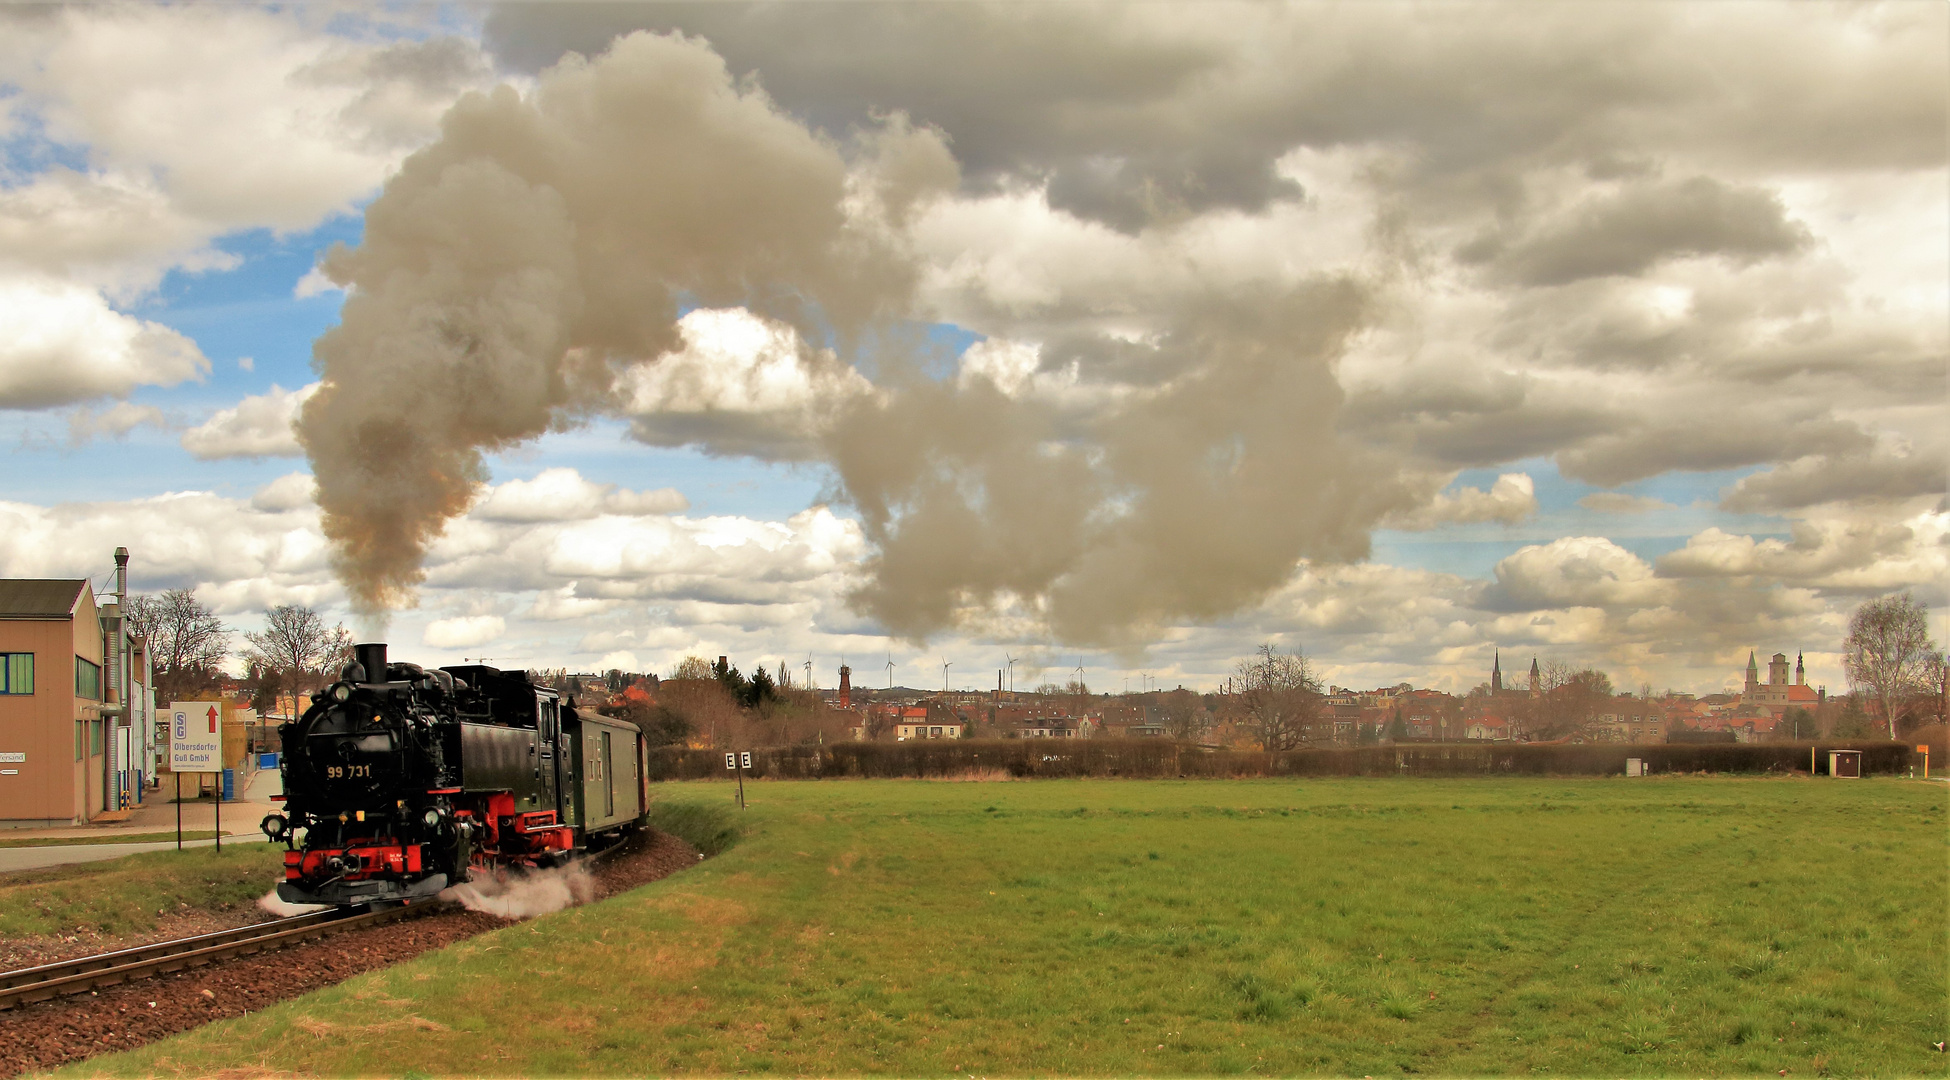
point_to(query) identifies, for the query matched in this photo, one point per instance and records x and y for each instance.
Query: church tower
(1496, 674)
(1536, 679)
(1753, 674)
(1800, 670)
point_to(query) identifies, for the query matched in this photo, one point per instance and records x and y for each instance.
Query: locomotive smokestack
(372, 657)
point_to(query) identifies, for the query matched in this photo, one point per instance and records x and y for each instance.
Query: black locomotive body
(398, 779)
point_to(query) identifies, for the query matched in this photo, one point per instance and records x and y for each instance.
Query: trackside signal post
(738, 763)
(196, 746)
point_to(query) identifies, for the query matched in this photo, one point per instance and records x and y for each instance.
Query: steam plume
(517, 274)
(524, 895)
(545, 241)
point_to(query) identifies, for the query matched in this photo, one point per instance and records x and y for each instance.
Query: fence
(1159, 758)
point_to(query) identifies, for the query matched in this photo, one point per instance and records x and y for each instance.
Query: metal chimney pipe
(120, 658)
(372, 657)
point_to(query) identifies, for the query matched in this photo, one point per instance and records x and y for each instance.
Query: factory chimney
(846, 687)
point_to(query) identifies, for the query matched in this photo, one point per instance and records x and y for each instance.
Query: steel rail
(106, 969)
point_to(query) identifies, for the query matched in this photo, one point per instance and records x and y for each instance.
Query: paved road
(33, 858)
(158, 816)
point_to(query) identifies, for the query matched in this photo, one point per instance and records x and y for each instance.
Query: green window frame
(87, 679)
(94, 738)
(17, 673)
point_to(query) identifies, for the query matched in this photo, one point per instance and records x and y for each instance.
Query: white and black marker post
(738, 763)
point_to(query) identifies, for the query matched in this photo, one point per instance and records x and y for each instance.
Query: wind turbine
(1012, 672)
(890, 671)
(945, 665)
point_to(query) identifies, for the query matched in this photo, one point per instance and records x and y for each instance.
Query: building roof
(39, 598)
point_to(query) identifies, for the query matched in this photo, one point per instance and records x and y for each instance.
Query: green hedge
(1155, 758)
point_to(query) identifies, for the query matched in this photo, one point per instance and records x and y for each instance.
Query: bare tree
(298, 649)
(1279, 697)
(693, 667)
(187, 642)
(1184, 717)
(1888, 654)
(1570, 701)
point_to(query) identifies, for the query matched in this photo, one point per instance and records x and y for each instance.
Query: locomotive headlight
(274, 825)
(341, 692)
(431, 817)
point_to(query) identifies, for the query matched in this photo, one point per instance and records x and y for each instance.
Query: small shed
(1845, 763)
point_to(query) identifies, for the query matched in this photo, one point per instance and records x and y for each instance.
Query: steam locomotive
(399, 779)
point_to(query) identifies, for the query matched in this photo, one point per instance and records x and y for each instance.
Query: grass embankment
(128, 895)
(1353, 927)
(126, 838)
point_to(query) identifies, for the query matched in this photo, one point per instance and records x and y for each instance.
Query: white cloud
(1510, 500)
(555, 605)
(741, 383)
(115, 421)
(314, 283)
(621, 659)
(248, 557)
(463, 632)
(292, 491)
(258, 426)
(249, 117)
(1575, 571)
(63, 344)
(561, 494)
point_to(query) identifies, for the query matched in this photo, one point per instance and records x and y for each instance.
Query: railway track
(107, 969)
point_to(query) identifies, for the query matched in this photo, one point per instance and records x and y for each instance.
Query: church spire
(1753, 673)
(1536, 678)
(1496, 674)
(1800, 670)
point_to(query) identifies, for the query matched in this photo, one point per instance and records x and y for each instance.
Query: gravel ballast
(47, 1034)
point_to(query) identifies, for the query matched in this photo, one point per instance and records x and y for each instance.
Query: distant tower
(1777, 670)
(1800, 671)
(846, 687)
(1536, 679)
(1496, 674)
(1753, 673)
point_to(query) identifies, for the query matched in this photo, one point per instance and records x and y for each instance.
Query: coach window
(87, 679)
(17, 673)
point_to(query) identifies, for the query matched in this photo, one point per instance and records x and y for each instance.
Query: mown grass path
(1361, 927)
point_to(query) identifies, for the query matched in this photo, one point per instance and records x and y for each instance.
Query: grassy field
(124, 838)
(1707, 926)
(126, 895)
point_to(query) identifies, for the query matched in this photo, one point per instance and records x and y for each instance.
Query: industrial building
(74, 743)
